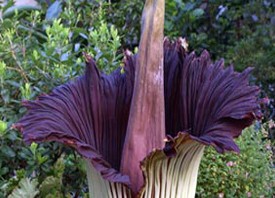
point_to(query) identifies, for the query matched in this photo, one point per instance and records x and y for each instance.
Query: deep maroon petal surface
(211, 103)
(89, 114)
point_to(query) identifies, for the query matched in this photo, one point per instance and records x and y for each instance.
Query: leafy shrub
(27, 188)
(126, 16)
(31, 66)
(38, 52)
(249, 174)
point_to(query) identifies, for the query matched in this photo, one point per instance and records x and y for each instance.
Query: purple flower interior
(211, 103)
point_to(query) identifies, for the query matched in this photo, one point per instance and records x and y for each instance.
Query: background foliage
(248, 174)
(41, 47)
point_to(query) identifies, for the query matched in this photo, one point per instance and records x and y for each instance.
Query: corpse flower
(143, 132)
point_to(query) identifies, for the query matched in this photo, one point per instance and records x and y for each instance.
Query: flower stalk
(147, 115)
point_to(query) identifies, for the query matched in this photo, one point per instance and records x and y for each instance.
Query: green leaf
(33, 148)
(3, 127)
(198, 12)
(13, 83)
(27, 188)
(41, 159)
(3, 171)
(20, 8)
(2, 68)
(64, 57)
(189, 6)
(50, 186)
(5, 95)
(8, 151)
(54, 11)
(12, 135)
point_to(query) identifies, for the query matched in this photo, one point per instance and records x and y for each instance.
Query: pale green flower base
(101, 188)
(174, 177)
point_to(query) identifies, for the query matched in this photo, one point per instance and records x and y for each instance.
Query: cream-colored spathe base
(174, 177)
(165, 177)
(101, 188)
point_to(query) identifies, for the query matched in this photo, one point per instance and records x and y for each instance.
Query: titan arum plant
(143, 132)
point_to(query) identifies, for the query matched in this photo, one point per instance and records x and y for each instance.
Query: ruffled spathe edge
(211, 103)
(189, 82)
(44, 128)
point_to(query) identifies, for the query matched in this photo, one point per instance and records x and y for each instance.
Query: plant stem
(146, 125)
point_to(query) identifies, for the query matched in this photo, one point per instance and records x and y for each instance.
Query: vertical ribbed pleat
(101, 188)
(173, 177)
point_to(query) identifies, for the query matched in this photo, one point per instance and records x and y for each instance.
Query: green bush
(38, 52)
(248, 174)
